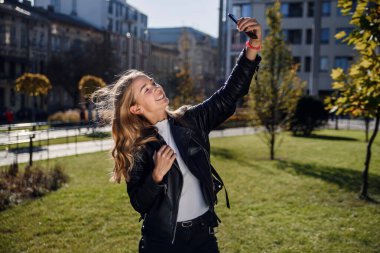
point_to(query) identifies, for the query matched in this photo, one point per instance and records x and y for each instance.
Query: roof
(53, 16)
(171, 35)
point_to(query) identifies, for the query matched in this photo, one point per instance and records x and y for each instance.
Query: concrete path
(60, 150)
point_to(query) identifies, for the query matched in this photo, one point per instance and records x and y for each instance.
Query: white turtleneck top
(191, 202)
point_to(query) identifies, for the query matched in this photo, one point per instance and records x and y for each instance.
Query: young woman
(164, 155)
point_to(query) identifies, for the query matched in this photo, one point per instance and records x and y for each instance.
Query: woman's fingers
(164, 159)
(168, 151)
(245, 27)
(164, 154)
(245, 20)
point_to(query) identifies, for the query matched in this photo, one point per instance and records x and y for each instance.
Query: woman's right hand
(163, 160)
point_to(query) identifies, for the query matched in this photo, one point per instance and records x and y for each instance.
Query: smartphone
(252, 35)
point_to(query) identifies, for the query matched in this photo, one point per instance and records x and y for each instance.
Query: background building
(29, 38)
(309, 27)
(197, 51)
(127, 25)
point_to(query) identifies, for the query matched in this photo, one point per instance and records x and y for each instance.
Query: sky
(199, 14)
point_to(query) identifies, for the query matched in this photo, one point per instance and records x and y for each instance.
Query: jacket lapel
(181, 136)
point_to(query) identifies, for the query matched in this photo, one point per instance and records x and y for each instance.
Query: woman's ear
(136, 109)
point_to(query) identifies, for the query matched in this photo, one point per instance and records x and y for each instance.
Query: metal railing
(34, 137)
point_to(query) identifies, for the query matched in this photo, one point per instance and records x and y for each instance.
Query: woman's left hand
(247, 24)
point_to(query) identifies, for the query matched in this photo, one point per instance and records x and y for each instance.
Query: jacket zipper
(179, 195)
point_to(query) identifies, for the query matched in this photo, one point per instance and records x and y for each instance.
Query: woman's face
(150, 98)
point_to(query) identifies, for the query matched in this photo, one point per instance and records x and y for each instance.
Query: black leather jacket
(158, 203)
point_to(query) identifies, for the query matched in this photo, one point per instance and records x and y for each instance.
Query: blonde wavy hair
(130, 132)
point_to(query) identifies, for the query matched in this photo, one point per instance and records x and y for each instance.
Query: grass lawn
(306, 201)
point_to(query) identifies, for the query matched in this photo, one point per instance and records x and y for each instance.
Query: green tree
(274, 95)
(357, 91)
(186, 94)
(33, 85)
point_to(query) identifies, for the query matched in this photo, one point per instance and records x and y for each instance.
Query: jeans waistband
(202, 220)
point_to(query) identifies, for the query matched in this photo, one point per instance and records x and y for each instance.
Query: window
(2, 67)
(342, 62)
(323, 64)
(2, 34)
(310, 9)
(309, 36)
(12, 69)
(242, 10)
(291, 10)
(13, 38)
(126, 13)
(110, 7)
(109, 25)
(13, 97)
(2, 96)
(326, 8)
(116, 25)
(293, 36)
(307, 67)
(348, 30)
(246, 10)
(325, 35)
(74, 7)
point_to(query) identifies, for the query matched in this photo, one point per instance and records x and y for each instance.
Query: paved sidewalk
(51, 134)
(60, 150)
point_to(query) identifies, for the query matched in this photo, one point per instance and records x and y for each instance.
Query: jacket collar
(181, 136)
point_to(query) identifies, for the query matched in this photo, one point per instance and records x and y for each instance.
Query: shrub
(67, 116)
(309, 115)
(34, 182)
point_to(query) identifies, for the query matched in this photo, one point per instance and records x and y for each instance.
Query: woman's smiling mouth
(161, 97)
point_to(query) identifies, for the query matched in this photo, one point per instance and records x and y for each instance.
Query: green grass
(70, 139)
(306, 201)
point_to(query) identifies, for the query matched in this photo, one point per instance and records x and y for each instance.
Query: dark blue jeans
(194, 236)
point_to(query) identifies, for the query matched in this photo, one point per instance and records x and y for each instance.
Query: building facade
(197, 51)
(308, 26)
(29, 37)
(128, 26)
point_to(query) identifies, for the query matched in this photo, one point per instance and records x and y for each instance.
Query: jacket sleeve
(222, 104)
(141, 188)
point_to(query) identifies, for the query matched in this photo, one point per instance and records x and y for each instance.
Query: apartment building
(126, 25)
(309, 28)
(28, 38)
(196, 50)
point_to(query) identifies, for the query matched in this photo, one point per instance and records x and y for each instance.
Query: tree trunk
(34, 109)
(272, 142)
(366, 121)
(336, 122)
(364, 190)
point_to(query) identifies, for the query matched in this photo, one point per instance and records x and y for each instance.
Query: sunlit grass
(306, 201)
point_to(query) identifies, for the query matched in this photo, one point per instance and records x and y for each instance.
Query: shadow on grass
(328, 137)
(345, 178)
(222, 152)
(26, 150)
